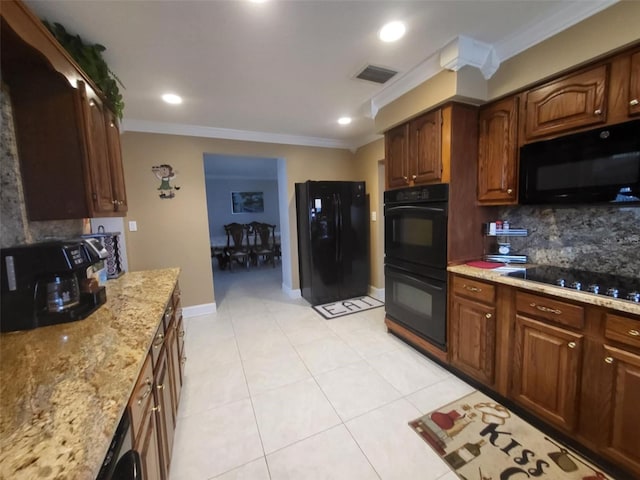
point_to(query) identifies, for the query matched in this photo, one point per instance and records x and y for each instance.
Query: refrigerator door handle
(336, 225)
(340, 225)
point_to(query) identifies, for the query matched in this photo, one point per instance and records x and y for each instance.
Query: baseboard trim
(376, 293)
(293, 293)
(196, 310)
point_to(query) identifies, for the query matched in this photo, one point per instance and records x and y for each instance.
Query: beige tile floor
(274, 391)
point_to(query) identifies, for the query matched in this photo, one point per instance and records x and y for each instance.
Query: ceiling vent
(376, 74)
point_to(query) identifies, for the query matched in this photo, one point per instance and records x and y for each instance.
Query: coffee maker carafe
(62, 290)
(46, 283)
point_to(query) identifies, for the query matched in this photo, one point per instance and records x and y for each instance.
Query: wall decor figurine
(165, 174)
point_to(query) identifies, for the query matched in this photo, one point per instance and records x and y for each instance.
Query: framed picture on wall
(247, 202)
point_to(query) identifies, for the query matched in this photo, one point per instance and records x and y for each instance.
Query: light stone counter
(578, 296)
(64, 388)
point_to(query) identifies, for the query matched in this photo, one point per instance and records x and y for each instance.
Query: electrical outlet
(374, 216)
(133, 226)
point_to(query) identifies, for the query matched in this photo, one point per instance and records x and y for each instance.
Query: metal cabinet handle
(159, 340)
(634, 102)
(598, 112)
(160, 387)
(414, 177)
(488, 315)
(542, 308)
(156, 409)
(509, 191)
(634, 332)
(571, 344)
(183, 360)
(608, 360)
(472, 289)
(147, 392)
(181, 334)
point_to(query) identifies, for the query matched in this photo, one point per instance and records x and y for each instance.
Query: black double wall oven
(416, 260)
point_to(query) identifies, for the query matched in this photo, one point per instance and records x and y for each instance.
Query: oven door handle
(413, 208)
(403, 274)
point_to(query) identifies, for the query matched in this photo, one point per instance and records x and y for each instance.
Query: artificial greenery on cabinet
(89, 57)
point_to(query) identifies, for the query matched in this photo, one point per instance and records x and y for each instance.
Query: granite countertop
(578, 296)
(63, 388)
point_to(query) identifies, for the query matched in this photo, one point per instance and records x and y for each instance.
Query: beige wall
(175, 232)
(367, 160)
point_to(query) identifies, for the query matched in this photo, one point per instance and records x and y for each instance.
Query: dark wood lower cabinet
(147, 446)
(621, 394)
(166, 421)
(154, 404)
(574, 366)
(472, 336)
(546, 371)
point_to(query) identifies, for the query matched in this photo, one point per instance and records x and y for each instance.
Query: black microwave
(596, 166)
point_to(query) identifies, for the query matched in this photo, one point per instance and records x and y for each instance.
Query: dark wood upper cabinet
(567, 103)
(634, 85)
(498, 152)
(397, 156)
(70, 160)
(425, 148)
(414, 151)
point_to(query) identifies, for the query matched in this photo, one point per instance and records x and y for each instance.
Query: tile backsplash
(595, 238)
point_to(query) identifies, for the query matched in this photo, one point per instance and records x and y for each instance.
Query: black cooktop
(625, 288)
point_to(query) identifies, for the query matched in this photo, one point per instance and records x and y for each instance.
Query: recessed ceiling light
(172, 98)
(344, 120)
(392, 31)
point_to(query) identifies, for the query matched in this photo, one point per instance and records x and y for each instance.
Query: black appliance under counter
(544, 279)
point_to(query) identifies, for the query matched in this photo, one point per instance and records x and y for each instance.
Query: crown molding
(133, 125)
(566, 15)
(463, 51)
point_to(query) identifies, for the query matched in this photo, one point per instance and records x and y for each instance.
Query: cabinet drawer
(141, 396)
(550, 309)
(481, 291)
(622, 329)
(158, 342)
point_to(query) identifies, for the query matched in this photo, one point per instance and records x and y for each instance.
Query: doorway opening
(242, 190)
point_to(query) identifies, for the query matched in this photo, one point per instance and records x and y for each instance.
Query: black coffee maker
(47, 283)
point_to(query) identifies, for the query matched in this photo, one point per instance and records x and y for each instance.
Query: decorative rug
(482, 440)
(347, 307)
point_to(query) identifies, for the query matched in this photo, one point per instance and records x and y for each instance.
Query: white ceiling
(282, 71)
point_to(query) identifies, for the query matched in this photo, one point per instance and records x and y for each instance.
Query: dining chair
(264, 242)
(237, 244)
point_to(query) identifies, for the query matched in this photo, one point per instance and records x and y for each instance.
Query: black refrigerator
(333, 240)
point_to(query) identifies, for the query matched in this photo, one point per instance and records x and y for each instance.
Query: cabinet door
(397, 155)
(166, 423)
(148, 448)
(425, 148)
(115, 162)
(473, 339)
(546, 370)
(98, 155)
(634, 85)
(173, 360)
(181, 352)
(572, 102)
(621, 397)
(498, 153)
